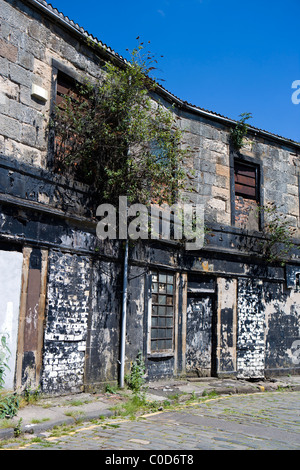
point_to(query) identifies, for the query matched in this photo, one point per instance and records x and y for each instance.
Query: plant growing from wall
(115, 138)
(239, 132)
(135, 380)
(278, 234)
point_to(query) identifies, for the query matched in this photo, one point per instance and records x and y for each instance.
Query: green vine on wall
(239, 132)
(278, 234)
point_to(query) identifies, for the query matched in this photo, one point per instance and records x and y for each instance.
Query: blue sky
(226, 56)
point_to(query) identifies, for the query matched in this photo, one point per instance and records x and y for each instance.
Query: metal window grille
(162, 318)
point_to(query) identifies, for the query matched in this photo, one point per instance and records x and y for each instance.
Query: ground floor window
(162, 316)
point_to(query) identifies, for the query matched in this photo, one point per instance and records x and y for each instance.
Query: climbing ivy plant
(239, 132)
(278, 235)
(135, 380)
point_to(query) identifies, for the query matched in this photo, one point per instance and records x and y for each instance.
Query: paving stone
(261, 421)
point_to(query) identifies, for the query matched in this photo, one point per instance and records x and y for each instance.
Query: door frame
(212, 295)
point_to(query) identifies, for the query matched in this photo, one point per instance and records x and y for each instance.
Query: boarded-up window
(245, 177)
(66, 86)
(68, 98)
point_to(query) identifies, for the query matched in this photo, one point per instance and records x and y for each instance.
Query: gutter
(71, 26)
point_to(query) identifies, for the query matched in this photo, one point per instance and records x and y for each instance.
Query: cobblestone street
(259, 421)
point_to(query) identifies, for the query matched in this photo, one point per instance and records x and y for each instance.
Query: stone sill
(160, 355)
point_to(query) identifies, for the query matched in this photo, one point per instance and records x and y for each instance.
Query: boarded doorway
(200, 328)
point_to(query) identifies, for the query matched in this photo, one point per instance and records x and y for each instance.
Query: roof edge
(59, 17)
(222, 119)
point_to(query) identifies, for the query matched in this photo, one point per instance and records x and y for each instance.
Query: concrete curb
(38, 429)
(7, 433)
(158, 391)
(41, 428)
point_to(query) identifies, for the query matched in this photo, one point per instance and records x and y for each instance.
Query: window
(245, 179)
(162, 316)
(246, 194)
(67, 98)
(66, 86)
(162, 153)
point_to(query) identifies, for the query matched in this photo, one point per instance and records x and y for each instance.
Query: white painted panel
(10, 291)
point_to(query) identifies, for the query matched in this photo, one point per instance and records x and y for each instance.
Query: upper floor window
(247, 197)
(245, 178)
(66, 86)
(67, 100)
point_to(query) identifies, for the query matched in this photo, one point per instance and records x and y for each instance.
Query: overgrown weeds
(136, 379)
(9, 405)
(9, 402)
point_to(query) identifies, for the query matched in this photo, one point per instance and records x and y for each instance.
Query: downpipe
(124, 316)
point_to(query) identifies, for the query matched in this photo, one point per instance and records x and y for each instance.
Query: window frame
(152, 304)
(244, 167)
(246, 160)
(63, 88)
(58, 67)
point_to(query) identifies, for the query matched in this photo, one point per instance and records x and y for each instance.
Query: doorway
(200, 327)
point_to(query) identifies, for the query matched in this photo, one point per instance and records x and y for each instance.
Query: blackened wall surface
(66, 322)
(282, 329)
(103, 342)
(199, 335)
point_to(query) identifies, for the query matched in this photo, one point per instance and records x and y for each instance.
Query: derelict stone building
(222, 310)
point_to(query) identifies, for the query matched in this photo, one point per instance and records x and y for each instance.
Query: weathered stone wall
(23, 120)
(28, 45)
(226, 354)
(211, 182)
